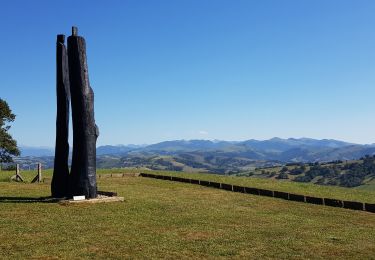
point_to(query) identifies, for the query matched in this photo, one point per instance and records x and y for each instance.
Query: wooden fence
(270, 193)
(18, 177)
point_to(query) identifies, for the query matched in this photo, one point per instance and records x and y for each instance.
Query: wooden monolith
(85, 132)
(60, 179)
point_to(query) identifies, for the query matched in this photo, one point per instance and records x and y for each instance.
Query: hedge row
(270, 193)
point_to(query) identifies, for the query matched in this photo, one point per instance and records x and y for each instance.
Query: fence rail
(354, 205)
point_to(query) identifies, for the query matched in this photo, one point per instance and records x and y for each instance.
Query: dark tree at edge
(85, 132)
(60, 179)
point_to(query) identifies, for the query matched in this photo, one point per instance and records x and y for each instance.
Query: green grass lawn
(342, 193)
(369, 186)
(162, 219)
(364, 193)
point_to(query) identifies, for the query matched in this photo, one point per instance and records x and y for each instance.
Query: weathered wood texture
(39, 172)
(85, 132)
(60, 179)
(17, 176)
(38, 177)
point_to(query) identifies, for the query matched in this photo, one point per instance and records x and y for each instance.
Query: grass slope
(342, 193)
(161, 219)
(365, 193)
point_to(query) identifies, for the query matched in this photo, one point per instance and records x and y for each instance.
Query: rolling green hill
(339, 173)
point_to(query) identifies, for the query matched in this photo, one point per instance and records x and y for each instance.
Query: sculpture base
(99, 199)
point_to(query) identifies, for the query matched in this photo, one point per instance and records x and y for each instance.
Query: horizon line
(212, 140)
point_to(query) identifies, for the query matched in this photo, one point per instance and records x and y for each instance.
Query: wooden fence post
(38, 177)
(39, 172)
(17, 176)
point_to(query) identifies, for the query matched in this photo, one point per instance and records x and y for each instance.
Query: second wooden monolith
(59, 185)
(85, 131)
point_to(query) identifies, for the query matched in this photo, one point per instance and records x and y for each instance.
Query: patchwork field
(161, 219)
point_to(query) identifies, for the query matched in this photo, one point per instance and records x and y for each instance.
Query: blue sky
(197, 69)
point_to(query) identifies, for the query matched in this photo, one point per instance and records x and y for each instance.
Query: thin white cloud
(202, 132)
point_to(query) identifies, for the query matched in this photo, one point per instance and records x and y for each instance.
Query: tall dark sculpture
(59, 186)
(85, 132)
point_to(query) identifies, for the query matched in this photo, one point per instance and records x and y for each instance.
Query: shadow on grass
(28, 200)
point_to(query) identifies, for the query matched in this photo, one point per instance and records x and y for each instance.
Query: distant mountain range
(271, 146)
(36, 151)
(213, 156)
(292, 149)
(105, 149)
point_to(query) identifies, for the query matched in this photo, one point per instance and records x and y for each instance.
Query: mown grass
(364, 193)
(369, 186)
(161, 219)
